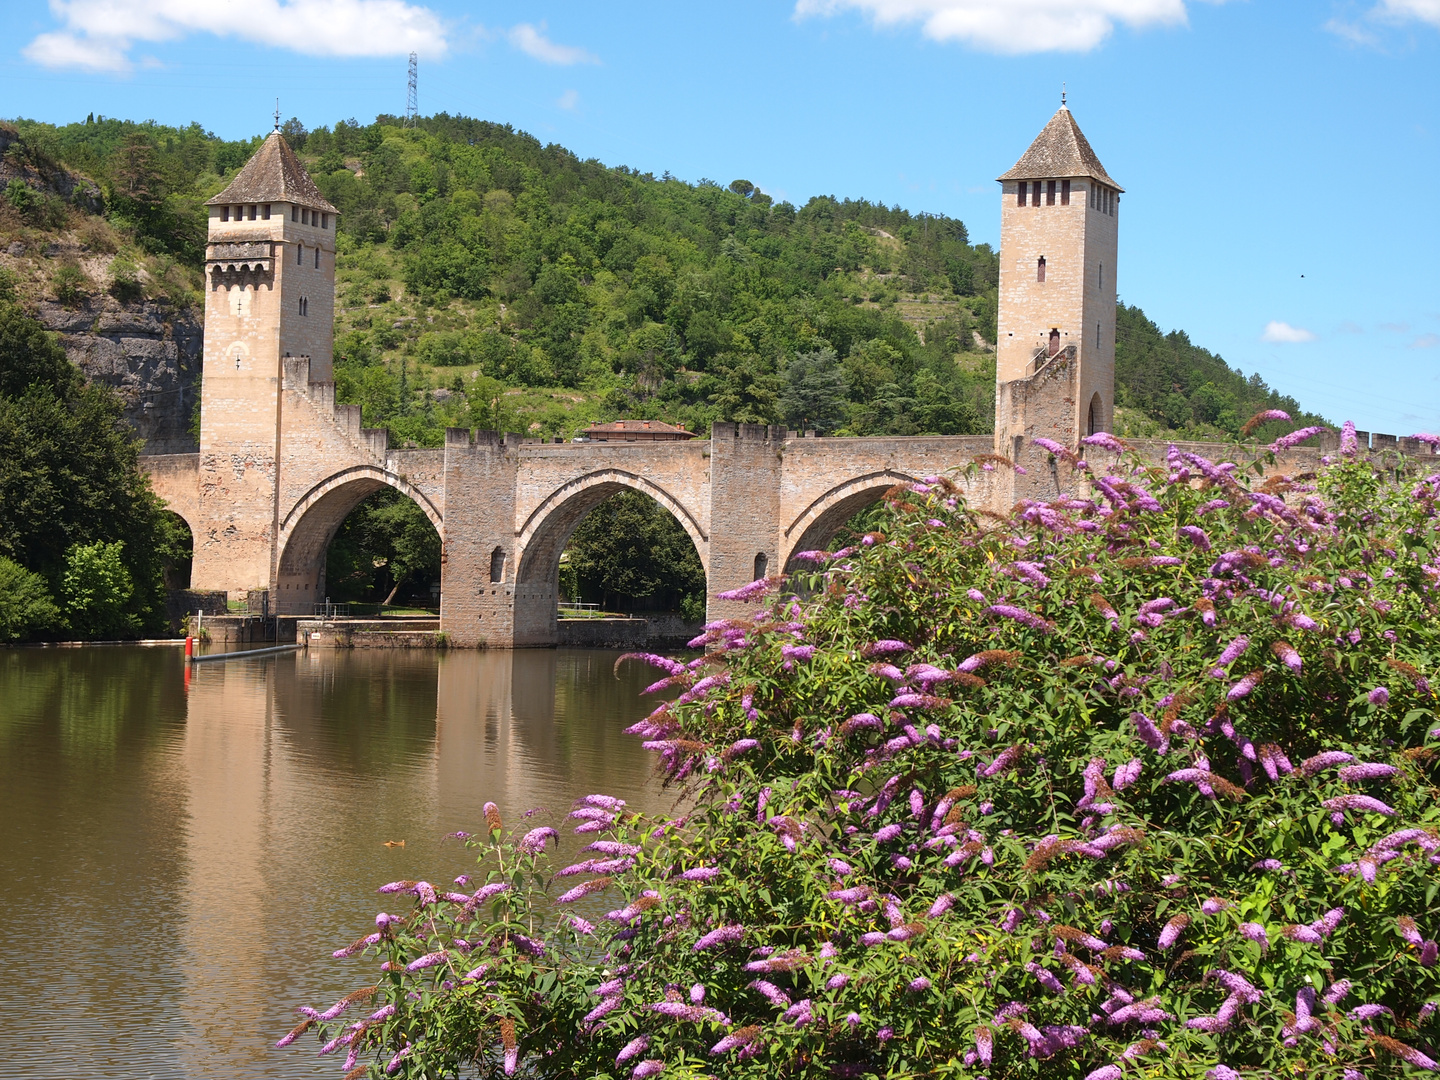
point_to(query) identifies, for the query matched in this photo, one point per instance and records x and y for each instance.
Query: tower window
(304, 305)
(1097, 335)
(1020, 193)
(299, 254)
(1050, 193)
(1102, 275)
(1064, 192)
(317, 258)
(497, 564)
(762, 565)
(1035, 194)
(224, 213)
(251, 214)
(294, 213)
(265, 212)
(324, 221)
(304, 216)
(1040, 269)
(1093, 190)
(1054, 341)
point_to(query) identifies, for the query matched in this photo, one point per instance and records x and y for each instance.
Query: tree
(814, 394)
(97, 588)
(26, 608)
(69, 473)
(386, 546)
(630, 554)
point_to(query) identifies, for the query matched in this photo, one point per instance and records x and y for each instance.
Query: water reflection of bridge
(294, 773)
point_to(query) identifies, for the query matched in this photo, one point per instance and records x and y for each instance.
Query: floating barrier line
(245, 654)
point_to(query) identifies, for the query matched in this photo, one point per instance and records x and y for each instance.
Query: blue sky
(1280, 156)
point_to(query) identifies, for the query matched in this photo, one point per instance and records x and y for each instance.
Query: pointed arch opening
(364, 537)
(1095, 418)
(611, 542)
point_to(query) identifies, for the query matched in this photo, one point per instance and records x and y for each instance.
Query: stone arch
(547, 530)
(818, 523)
(177, 574)
(312, 522)
(1095, 417)
(543, 536)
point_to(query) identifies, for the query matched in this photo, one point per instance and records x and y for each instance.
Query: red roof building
(635, 431)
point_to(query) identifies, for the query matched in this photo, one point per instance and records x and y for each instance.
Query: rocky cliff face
(149, 352)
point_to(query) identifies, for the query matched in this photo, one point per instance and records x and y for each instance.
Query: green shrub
(97, 589)
(69, 283)
(26, 609)
(1139, 784)
(125, 281)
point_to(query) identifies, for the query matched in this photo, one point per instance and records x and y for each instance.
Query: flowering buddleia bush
(1141, 784)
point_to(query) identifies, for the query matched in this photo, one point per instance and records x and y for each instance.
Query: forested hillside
(488, 280)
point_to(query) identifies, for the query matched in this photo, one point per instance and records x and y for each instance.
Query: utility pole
(411, 107)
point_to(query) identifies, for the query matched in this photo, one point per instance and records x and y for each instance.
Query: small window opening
(317, 258)
(224, 213)
(251, 214)
(1102, 275)
(1093, 421)
(1097, 335)
(324, 221)
(304, 305)
(265, 212)
(299, 254)
(1021, 192)
(1035, 194)
(294, 213)
(1050, 193)
(497, 564)
(1093, 190)
(1054, 346)
(762, 565)
(1064, 192)
(1040, 269)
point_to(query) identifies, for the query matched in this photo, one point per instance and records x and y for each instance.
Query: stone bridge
(504, 506)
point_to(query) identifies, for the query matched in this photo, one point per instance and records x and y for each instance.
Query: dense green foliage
(1143, 781)
(26, 607)
(385, 552)
(68, 478)
(630, 554)
(1177, 386)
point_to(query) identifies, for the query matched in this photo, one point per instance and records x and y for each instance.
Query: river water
(177, 862)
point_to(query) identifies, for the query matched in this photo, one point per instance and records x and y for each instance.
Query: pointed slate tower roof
(274, 174)
(1060, 150)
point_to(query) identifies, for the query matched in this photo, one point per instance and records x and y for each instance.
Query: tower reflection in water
(256, 810)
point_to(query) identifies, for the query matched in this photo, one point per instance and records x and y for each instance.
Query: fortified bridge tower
(281, 465)
(1055, 358)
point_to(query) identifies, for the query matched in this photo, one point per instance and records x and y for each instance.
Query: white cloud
(569, 99)
(531, 40)
(1426, 341)
(98, 34)
(1012, 26)
(1284, 333)
(1424, 10)
(1392, 12)
(62, 50)
(1349, 327)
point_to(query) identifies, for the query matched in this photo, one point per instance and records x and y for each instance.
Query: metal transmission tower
(411, 108)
